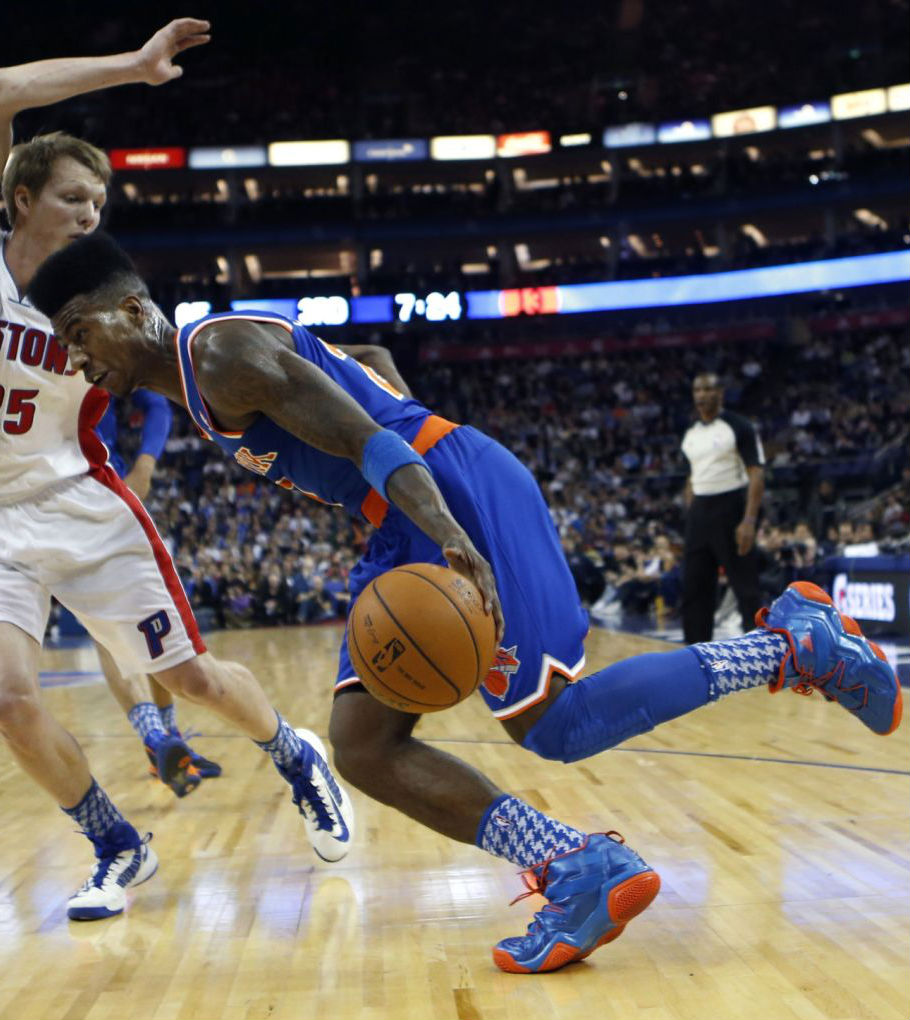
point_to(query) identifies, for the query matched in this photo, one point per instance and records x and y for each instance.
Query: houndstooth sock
(285, 746)
(96, 815)
(512, 829)
(737, 663)
(146, 721)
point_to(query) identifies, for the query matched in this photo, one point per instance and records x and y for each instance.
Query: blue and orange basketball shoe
(206, 768)
(172, 762)
(593, 892)
(829, 653)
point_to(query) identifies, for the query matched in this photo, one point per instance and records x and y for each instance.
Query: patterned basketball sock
(741, 662)
(168, 715)
(146, 721)
(96, 815)
(284, 747)
(512, 829)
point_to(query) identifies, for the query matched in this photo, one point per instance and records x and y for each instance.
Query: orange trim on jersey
(374, 507)
(189, 350)
(553, 670)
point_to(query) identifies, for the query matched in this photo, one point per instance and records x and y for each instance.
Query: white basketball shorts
(90, 542)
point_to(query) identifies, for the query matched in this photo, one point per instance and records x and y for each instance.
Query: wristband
(750, 520)
(383, 454)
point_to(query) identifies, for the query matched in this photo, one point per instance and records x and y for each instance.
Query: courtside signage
(867, 103)
(210, 158)
(744, 122)
(148, 159)
(463, 147)
(325, 153)
(391, 150)
(803, 115)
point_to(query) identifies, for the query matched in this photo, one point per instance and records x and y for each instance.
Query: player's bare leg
(233, 693)
(150, 710)
(596, 882)
(160, 695)
(376, 752)
(227, 689)
(53, 758)
(41, 746)
(167, 709)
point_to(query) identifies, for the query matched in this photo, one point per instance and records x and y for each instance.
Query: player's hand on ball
(156, 58)
(463, 557)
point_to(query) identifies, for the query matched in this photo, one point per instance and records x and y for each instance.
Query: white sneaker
(103, 894)
(325, 805)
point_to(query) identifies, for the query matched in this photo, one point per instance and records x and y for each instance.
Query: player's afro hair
(80, 268)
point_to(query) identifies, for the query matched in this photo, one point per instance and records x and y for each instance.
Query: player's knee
(551, 736)
(19, 712)
(197, 680)
(547, 743)
(364, 736)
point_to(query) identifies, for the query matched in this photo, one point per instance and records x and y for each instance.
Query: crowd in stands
(601, 434)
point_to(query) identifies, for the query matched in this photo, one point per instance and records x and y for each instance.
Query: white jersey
(47, 410)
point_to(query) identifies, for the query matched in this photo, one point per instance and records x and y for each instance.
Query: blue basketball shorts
(498, 503)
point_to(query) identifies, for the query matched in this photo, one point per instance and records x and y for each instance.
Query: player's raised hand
(463, 557)
(156, 58)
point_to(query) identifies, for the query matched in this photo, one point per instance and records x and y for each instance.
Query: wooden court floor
(779, 826)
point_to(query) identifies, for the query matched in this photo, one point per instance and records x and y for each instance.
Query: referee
(723, 497)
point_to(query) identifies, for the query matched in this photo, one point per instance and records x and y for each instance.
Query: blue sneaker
(207, 769)
(172, 762)
(594, 891)
(103, 893)
(828, 653)
(326, 807)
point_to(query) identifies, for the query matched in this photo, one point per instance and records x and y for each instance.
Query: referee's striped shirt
(719, 451)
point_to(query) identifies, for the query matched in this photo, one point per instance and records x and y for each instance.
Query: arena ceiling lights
(846, 106)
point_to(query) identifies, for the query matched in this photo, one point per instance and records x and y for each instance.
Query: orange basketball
(419, 639)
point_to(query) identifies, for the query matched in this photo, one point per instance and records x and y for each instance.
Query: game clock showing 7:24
(432, 307)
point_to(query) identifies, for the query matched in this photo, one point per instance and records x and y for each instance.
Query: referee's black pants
(711, 543)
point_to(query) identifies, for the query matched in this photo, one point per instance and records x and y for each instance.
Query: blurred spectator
(272, 605)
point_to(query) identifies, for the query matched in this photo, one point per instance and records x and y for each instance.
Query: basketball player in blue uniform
(321, 419)
(133, 693)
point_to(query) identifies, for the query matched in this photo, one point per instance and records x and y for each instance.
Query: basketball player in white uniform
(68, 525)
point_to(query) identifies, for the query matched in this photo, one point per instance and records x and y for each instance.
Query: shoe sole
(624, 902)
(177, 771)
(813, 593)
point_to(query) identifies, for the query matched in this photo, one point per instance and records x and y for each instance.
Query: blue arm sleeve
(156, 426)
(107, 427)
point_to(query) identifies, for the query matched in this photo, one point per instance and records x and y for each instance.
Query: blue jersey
(156, 427)
(269, 450)
(492, 496)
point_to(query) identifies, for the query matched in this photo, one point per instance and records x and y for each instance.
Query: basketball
(419, 638)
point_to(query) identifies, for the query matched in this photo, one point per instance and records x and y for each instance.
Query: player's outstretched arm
(50, 81)
(243, 370)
